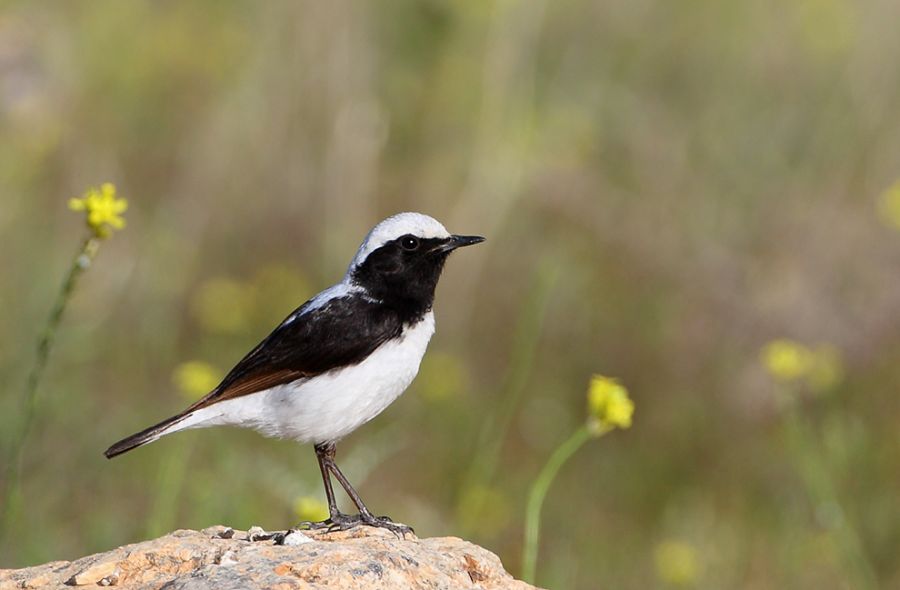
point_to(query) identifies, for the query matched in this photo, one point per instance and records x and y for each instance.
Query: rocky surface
(220, 558)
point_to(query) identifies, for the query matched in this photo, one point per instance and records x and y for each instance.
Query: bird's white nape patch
(416, 224)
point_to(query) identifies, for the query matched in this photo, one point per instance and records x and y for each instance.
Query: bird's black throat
(402, 278)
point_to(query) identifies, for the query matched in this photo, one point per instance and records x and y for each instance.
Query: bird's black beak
(454, 242)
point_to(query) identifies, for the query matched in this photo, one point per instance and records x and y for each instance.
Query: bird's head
(401, 259)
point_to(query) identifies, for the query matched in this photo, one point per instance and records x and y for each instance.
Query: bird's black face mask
(404, 272)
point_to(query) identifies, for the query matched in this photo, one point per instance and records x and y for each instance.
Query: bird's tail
(147, 435)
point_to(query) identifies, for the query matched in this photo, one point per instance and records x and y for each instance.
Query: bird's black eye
(409, 242)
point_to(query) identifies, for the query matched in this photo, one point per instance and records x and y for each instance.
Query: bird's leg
(336, 520)
(325, 452)
(364, 516)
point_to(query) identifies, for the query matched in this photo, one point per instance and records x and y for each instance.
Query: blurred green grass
(704, 177)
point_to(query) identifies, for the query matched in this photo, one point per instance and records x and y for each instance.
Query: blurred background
(666, 187)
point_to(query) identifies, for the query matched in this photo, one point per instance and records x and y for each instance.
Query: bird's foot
(336, 522)
(345, 522)
(385, 522)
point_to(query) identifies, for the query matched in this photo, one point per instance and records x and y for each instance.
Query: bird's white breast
(332, 405)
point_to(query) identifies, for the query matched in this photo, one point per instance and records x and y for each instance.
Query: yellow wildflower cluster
(195, 379)
(889, 206)
(677, 563)
(789, 362)
(609, 406)
(224, 305)
(103, 209)
(310, 509)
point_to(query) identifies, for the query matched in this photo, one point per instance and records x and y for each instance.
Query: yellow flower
(195, 378)
(677, 563)
(104, 210)
(827, 370)
(275, 289)
(609, 406)
(889, 206)
(827, 28)
(789, 361)
(786, 360)
(309, 508)
(224, 306)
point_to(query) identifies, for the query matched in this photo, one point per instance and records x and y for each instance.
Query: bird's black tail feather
(143, 437)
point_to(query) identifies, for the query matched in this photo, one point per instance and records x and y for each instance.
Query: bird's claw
(385, 522)
(345, 522)
(336, 522)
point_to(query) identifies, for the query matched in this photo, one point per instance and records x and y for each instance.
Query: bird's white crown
(401, 224)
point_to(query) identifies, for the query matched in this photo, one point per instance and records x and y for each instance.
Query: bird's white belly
(329, 406)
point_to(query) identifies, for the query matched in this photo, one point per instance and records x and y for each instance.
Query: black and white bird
(339, 359)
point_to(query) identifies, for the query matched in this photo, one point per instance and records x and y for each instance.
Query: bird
(338, 360)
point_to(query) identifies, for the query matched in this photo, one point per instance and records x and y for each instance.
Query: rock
(220, 558)
(107, 570)
(296, 538)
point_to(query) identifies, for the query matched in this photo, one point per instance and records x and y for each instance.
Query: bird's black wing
(342, 332)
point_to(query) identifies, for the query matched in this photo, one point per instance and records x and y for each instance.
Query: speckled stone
(364, 558)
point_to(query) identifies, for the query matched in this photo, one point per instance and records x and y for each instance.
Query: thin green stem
(822, 491)
(29, 394)
(536, 498)
(494, 430)
(171, 475)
